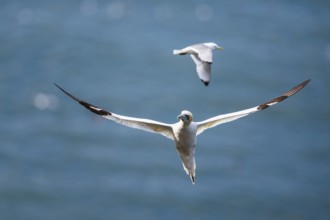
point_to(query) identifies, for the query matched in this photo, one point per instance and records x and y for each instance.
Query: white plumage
(185, 131)
(202, 57)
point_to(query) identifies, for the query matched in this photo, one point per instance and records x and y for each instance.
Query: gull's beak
(219, 48)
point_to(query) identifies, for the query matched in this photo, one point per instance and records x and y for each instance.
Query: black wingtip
(285, 95)
(87, 105)
(305, 82)
(206, 83)
(73, 97)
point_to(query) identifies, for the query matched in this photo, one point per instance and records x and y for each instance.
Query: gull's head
(185, 116)
(213, 46)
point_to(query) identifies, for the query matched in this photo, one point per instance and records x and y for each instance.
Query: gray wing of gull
(203, 69)
(220, 119)
(138, 123)
(204, 53)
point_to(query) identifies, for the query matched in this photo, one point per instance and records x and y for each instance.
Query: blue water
(59, 161)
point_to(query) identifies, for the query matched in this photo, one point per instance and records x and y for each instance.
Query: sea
(60, 161)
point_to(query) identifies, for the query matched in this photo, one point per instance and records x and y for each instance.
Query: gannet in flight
(184, 133)
(202, 56)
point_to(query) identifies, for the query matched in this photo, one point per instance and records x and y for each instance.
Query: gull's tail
(178, 52)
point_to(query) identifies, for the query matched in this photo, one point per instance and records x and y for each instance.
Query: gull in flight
(202, 56)
(184, 133)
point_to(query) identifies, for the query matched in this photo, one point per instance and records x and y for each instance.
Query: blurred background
(59, 161)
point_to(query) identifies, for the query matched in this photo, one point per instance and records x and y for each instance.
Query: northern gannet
(184, 133)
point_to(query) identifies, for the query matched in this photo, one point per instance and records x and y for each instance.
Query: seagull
(184, 133)
(202, 56)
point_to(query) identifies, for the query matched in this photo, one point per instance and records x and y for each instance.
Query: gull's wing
(138, 123)
(203, 69)
(204, 53)
(220, 119)
(184, 51)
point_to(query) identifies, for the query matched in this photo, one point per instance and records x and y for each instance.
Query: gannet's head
(213, 46)
(185, 116)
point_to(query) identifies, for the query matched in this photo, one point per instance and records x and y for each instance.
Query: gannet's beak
(219, 48)
(182, 117)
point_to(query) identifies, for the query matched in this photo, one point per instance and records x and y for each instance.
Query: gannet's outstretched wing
(220, 119)
(138, 123)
